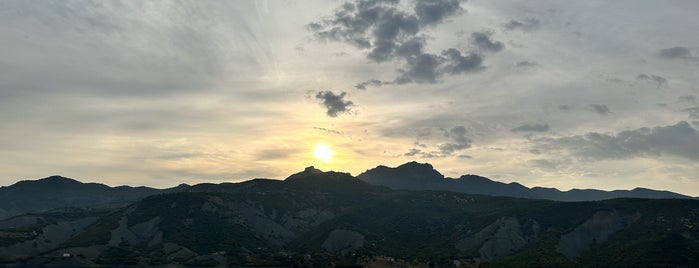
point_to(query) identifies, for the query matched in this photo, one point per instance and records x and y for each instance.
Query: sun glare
(323, 152)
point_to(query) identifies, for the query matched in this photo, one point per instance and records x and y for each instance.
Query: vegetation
(287, 223)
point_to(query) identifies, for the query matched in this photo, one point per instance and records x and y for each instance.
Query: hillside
(315, 218)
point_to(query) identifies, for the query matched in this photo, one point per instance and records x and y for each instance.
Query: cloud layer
(678, 140)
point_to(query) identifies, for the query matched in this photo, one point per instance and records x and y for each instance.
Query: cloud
(413, 152)
(526, 64)
(456, 63)
(388, 33)
(564, 107)
(328, 130)
(658, 80)
(693, 112)
(680, 140)
(525, 25)
(371, 82)
(432, 12)
(675, 53)
(335, 104)
(532, 128)
(275, 154)
(483, 41)
(600, 109)
(459, 141)
(428, 68)
(687, 98)
(553, 164)
(421, 69)
(422, 154)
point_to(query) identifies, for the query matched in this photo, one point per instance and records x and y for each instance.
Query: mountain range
(417, 176)
(60, 192)
(321, 219)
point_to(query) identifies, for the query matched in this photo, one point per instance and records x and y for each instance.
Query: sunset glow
(323, 152)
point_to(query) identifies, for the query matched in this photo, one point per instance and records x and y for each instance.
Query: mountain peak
(411, 175)
(308, 171)
(417, 166)
(52, 181)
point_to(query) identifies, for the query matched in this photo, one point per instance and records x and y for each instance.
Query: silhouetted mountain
(317, 219)
(416, 176)
(58, 192)
(409, 176)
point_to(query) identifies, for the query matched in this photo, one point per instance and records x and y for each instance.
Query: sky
(565, 94)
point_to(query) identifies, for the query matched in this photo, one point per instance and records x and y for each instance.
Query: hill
(316, 218)
(60, 192)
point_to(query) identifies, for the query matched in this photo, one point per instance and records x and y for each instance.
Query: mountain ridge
(320, 219)
(402, 177)
(56, 191)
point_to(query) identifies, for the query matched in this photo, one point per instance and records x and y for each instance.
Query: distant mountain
(53, 192)
(59, 192)
(417, 176)
(321, 219)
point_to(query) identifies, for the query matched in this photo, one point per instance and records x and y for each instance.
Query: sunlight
(323, 152)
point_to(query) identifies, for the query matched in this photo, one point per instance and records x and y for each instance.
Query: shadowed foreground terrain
(316, 218)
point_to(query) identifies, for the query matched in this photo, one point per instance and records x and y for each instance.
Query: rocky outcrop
(594, 230)
(501, 238)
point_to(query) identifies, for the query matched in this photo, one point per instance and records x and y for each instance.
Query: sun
(323, 152)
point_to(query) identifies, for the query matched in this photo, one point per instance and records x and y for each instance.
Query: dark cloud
(483, 41)
(675, 53)
(600, 109)
(459, 141)
(526, 64)
(456, 63)
(532, 128)
(564, 107)
(422, 154)
(525, 25)
(335, 104)
(421, 69)
(428, 68)
(432, 12)
(680, 140)
(371, 82)
(387, 33)
(413, 152)
(659, 81)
